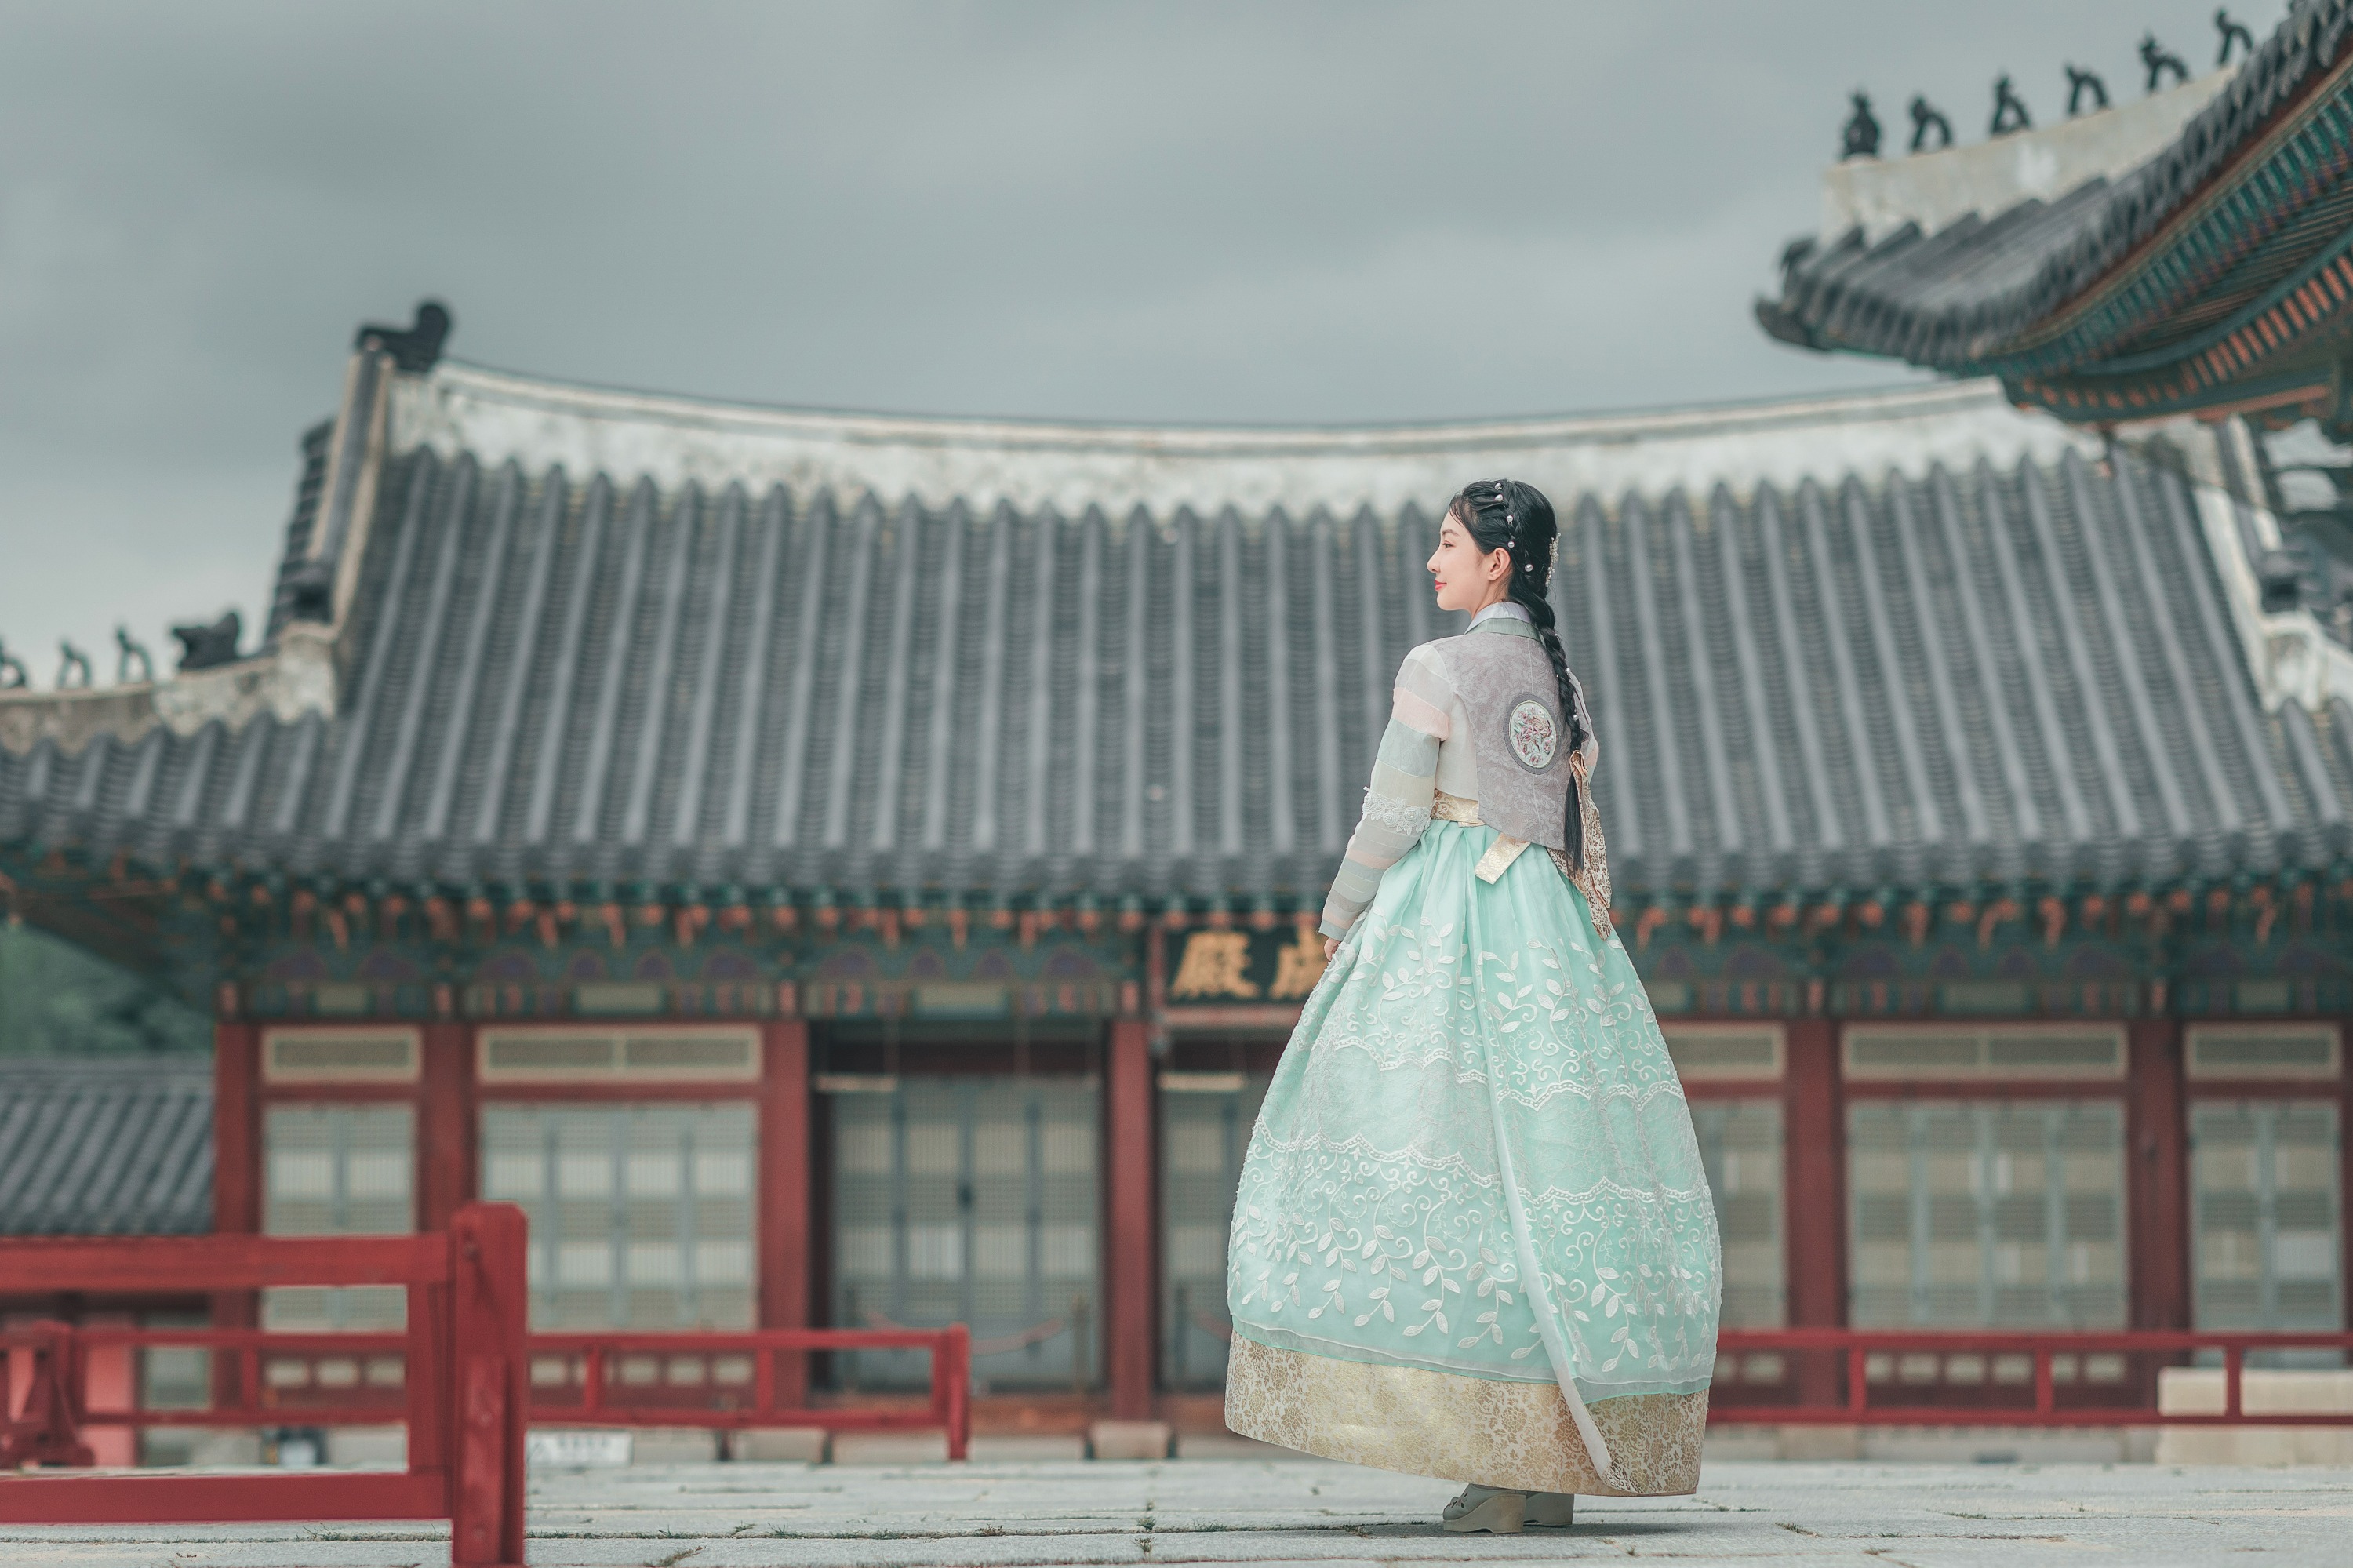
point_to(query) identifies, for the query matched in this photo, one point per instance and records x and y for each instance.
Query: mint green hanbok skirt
(1473, 1237)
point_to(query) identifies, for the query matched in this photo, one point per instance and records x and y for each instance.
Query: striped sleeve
(1397, 801)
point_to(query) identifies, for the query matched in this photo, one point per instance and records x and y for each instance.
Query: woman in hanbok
(1473, 1238)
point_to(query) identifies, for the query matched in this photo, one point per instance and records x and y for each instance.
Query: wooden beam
(43, 1264)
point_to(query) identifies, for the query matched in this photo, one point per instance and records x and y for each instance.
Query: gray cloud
(1322, 211)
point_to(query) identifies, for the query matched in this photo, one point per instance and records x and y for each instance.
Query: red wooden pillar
(2344, 1155)
(448, 1147)
(785, 1182)
(2157, 1176)
(1130, 1275)
(236, 1128)
(237, 1174)
(1814, 1196)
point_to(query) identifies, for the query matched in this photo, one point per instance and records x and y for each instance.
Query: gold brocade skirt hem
(1516, 1435)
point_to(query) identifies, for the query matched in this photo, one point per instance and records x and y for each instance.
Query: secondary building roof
(585, 645)
(100, 1146)
(2211, 273)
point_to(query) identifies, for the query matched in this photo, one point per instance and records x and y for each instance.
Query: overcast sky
(1261, 212)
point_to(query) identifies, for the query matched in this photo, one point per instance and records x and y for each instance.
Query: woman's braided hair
(1505, 514)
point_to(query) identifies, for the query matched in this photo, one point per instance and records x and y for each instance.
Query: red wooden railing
(593, 1388)
(463, 1389)
(1987, 1378)
(702, 1379)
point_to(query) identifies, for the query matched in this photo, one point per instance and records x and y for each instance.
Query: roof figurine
(13, 676)
(1926, 117)
(130, 653)
(2158, 59)
(73, 668)
(415, 348)
(1860, 139)
(2234, 35)
(2079, 82)
(2009, 109)
(207, 645)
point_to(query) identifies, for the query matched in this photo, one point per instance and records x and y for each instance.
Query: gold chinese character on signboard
(1298, 967)
(1213, 965)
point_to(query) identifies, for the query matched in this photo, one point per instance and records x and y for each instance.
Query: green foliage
(59, 1001)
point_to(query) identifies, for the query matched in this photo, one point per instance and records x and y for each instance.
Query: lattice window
(2263, 1051)
(338, 1171)
(1985, 1214)
(2265, 1197)
(972, 1199)
(1205, 1127)
(1711, 1052)
(691, 1053)
(2011, 1050)
(1740, 1143)
(341, 1055)
(642, 1216)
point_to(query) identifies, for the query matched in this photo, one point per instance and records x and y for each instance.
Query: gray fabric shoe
(1488, 1508)
(1550, 1510)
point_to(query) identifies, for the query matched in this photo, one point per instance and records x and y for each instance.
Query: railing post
(487, 1357)
(48, 1433)
(1858, 1393)
(952, 1365)
(2232, 1362)
(2046, 1395)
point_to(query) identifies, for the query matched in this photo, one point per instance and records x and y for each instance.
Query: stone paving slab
(1216, 1512)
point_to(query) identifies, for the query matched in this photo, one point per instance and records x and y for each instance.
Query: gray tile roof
(1902, 641)
(102, 1146)
(1964, 297)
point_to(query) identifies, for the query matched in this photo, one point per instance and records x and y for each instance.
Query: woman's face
(1469, 578)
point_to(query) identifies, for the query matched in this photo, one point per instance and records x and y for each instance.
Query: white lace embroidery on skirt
(1478, 1088)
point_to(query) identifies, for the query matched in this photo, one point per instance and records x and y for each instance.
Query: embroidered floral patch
(1534, 736)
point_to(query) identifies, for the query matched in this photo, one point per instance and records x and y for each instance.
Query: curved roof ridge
(558, 394)
(495, 416)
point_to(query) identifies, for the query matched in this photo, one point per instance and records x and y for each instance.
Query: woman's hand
(1331, 946)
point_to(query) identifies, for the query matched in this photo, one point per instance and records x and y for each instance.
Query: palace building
(849, 869)
(843, 869)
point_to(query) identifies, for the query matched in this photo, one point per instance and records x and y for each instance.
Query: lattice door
(1205, 1127)
(1740, 1144)
(2264, 1186)
(642, 1216)
(970, 1199)
(1987, 1214)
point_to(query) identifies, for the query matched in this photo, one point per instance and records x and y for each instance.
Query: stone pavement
(1261, 1511)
